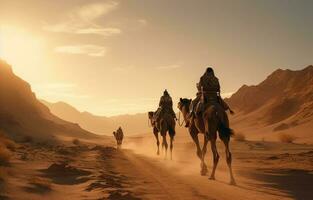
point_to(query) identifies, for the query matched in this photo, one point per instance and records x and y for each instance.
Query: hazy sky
(115, 57)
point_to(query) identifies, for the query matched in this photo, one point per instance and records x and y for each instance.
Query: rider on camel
(210, 86)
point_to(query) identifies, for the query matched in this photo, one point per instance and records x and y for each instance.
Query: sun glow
(20, 49)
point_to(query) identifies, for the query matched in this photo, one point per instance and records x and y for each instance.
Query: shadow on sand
(296, 183)
(64, 174)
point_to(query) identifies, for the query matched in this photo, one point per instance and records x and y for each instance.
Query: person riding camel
(209, 87)
(165, 104)
(120, 131)
(119, 135)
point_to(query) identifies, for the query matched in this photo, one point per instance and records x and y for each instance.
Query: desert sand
(97, 170)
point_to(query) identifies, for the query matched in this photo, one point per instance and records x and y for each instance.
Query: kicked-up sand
(97, 170)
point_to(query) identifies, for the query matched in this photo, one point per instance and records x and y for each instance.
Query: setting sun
(21, 49)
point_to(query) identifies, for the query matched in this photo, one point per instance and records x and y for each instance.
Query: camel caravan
(206, 114)
(119, 135)
(163, 122)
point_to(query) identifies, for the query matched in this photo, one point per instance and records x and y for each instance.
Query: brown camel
(165, 124)
(119, 135)
(210, 121)
(155, 130)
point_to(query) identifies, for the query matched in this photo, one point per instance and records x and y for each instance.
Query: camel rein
(149, 123)
(180, 124)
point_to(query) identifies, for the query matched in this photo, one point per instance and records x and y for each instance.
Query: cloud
(166, 67)
(75, 28)
(123, 69)
(100, 31)
(143, 21)
(89, 50)
(95, 10)
(82, 20)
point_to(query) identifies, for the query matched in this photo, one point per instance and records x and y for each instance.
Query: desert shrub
(240, 137)
(10, 144)
(287, 138)
(27, 139)
(76, 141)
(3, 174)
(5, 154)
(7, 142)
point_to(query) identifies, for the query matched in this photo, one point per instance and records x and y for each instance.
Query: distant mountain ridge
(21, 114)
(282, 102)
(131, 124)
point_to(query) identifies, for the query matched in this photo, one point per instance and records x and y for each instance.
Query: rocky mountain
(283, 102)
(131, 124)
(21, 114)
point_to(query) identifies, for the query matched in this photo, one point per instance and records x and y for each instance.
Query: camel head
(150, 114)
(184, 104)
(114, 133)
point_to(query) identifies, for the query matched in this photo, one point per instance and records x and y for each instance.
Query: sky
(112, 57)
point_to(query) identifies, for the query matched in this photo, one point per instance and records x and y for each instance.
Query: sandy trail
(262, 171)
(164, 180)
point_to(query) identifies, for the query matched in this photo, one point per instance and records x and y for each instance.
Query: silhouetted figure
(155, 130)
(209, 117)
(119, 135)
(165, 105)
(163, 121)
(209, 88)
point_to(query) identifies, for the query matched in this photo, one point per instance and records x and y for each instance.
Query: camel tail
(225, 131)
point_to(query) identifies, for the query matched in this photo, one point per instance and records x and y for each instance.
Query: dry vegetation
(41, 183)
(6, 146)
(240, 137)
(27, 139)
(5, 155)
(3, 176)
(76, 141)
(287, 138)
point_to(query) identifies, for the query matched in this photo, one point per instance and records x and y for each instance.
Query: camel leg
(155, 132)
(158, 143)
(204, 150)
(194, 135)
(215, 157)
(165, 145)
(171, 146)
(229, 161)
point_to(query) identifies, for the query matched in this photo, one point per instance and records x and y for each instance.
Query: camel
(165, 124)
(119, 135)
(155, 131)
(209, 123)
